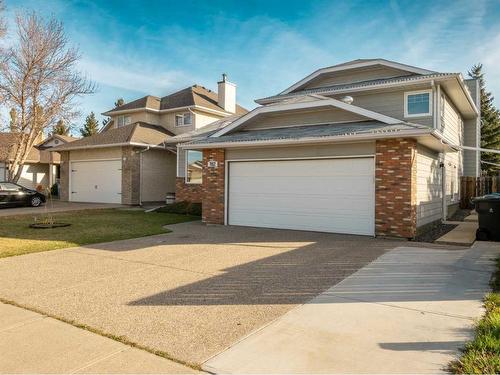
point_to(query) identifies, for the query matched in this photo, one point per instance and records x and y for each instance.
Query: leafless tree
(40, 82)
(3, 28)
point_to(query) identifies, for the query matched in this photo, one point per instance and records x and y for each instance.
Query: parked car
(16, 195)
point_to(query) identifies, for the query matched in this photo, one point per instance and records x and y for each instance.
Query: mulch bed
(435, 233)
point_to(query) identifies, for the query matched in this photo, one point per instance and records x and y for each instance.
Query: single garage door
(96, 181)
(325, 195)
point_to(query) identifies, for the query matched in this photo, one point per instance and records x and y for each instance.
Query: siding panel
(428, 186)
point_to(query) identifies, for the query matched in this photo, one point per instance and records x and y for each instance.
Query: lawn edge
(457, 365)
(121, 339)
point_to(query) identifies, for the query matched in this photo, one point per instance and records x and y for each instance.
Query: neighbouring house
(369, 147)
(41, 168)
(130, 161)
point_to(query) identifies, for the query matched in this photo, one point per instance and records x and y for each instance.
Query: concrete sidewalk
(407, 312)
(34, 343)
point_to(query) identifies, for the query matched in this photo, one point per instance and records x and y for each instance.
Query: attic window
(184, 119)
(418, 103)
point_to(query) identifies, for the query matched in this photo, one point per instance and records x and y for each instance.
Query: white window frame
(183, 116)
(408, 93)
(186, 163)
(123, 122)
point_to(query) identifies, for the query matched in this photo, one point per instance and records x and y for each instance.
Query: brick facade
(131, 175)
(188, 192)
(395, 187)
(213, 187)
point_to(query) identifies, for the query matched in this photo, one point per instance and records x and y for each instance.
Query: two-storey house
(130, 160)
(370, 147)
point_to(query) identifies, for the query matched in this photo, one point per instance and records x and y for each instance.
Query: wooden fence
(476, 186)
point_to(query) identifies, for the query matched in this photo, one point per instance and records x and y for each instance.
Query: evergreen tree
(490, 123)
(60, 128)
(91, 126)
(119, 102)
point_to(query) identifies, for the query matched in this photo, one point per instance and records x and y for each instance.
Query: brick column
(131, 175)
(213, 187)
(395, 188)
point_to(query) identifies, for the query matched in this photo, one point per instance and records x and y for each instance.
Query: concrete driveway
(53, 206)
(191, 293)
(409, 311)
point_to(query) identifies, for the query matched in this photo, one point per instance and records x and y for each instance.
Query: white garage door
(96, 181)
(325, 195)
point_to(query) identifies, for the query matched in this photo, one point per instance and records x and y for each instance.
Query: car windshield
(7, 186)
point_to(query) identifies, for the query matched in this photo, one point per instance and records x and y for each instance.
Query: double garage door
(97, 181)
(325, 195)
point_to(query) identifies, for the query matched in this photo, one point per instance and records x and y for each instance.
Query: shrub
(183, 208)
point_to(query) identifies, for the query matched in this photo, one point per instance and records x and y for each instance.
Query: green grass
(482, 355)
(87, 227)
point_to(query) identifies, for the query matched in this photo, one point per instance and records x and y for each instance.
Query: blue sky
(133, 48)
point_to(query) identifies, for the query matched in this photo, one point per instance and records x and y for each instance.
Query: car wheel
(36, 201)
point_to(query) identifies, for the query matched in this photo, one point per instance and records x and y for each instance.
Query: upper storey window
(418, 103)
(123, 120)
(183, 120)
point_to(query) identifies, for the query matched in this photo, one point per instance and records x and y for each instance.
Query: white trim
(322, 101)
(311, 140)
(111, 145)
(186, 161)
(417, 92)
(184, 108)
(227, 166)
(390, 64)
(412, 82)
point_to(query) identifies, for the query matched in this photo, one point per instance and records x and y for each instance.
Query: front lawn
(482, 355)
(87, 227)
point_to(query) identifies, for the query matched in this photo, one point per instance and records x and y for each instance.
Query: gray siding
(353, 75)
(181, 162)
(351, 149)
(157, 175)
(429, 190)
(471, 164)
(318, 116)
(34, 175)
(389, 103)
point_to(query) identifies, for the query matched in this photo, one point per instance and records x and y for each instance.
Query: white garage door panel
(96, 181)
(330, 195)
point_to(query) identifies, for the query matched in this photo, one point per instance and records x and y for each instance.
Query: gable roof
(359, 63)
(362, 85)
(139, 134)
(37, 154)
(195, 95)
(312, 133)
(306, 102)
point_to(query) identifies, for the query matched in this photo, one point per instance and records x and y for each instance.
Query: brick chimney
(226, 95)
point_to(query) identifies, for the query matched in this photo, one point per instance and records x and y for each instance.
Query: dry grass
(87, 227)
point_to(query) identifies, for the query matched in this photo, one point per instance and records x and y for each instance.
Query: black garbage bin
(488, 211)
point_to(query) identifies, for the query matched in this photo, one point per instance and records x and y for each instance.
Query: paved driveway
(54, 206)
(190, 293)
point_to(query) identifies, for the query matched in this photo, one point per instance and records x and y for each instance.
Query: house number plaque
(212, 164)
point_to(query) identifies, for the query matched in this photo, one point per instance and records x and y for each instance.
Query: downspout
(140, 173)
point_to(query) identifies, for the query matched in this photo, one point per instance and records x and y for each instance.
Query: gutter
(309, 140)
(273, 99)
(159, 111)
(111, 145)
